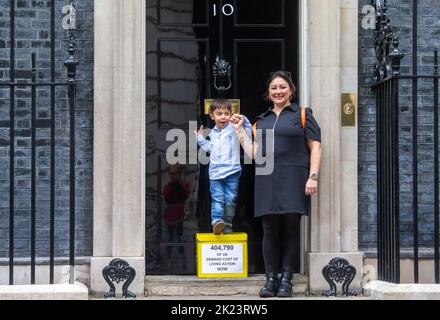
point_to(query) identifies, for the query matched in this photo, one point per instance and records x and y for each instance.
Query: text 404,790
(222, 247)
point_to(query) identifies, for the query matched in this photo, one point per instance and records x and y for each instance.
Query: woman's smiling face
(280, 92)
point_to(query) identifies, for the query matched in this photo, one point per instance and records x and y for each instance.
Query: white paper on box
(222, 258)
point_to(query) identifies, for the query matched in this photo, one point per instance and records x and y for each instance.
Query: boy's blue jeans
(224, 198)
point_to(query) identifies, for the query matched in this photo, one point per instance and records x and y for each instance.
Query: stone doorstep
(193, 286)
(389, 291)
(77, 291)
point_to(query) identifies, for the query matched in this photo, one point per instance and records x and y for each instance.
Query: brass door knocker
(221, 71)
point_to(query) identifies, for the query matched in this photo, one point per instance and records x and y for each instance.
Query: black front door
(183, 39)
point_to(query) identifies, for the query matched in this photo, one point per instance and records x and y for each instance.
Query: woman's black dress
(283, 191)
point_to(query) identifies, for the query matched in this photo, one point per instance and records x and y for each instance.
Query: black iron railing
(71, 84)
(388, 110)
(388, 237)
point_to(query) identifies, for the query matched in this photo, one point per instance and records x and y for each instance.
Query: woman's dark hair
(280, 74)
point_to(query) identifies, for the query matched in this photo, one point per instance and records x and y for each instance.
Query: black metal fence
(33, 84)
(393, 91)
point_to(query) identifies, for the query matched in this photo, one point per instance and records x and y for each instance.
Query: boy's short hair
(220, 104)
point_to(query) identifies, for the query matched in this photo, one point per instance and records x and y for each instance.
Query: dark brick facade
(428, 39)
(33, 35)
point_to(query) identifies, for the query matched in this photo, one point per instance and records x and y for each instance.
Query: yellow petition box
(222, 256)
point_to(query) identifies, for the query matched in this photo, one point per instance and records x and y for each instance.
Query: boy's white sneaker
(218, 226)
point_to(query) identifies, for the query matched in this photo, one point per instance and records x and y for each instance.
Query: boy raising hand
(224, 165)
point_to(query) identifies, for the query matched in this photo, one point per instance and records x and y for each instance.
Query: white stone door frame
(328, 68)
(332, 70)
(304, 101)
(119, 139)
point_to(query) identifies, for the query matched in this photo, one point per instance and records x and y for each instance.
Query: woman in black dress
(290, 137)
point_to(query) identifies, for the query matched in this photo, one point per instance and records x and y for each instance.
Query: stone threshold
(77, 291)
(188, 286)
(380, 290)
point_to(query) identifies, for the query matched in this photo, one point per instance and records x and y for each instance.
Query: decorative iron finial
(387, 61)
(221, 71)
(71, 62)
(396, 56)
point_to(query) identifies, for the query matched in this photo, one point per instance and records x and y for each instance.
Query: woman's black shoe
(286, 283)
(271, 287)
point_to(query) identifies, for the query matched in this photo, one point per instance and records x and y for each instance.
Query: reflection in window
(183, 12)
(248, 12)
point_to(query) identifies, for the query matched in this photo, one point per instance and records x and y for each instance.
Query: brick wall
(400, 13)
(33, 35)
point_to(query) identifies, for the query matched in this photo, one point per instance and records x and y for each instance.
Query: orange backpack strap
(254, 130)
(303, 116)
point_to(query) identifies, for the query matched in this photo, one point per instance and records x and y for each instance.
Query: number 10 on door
(227, 9)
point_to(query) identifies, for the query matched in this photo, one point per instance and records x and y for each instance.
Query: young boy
(224, 165)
